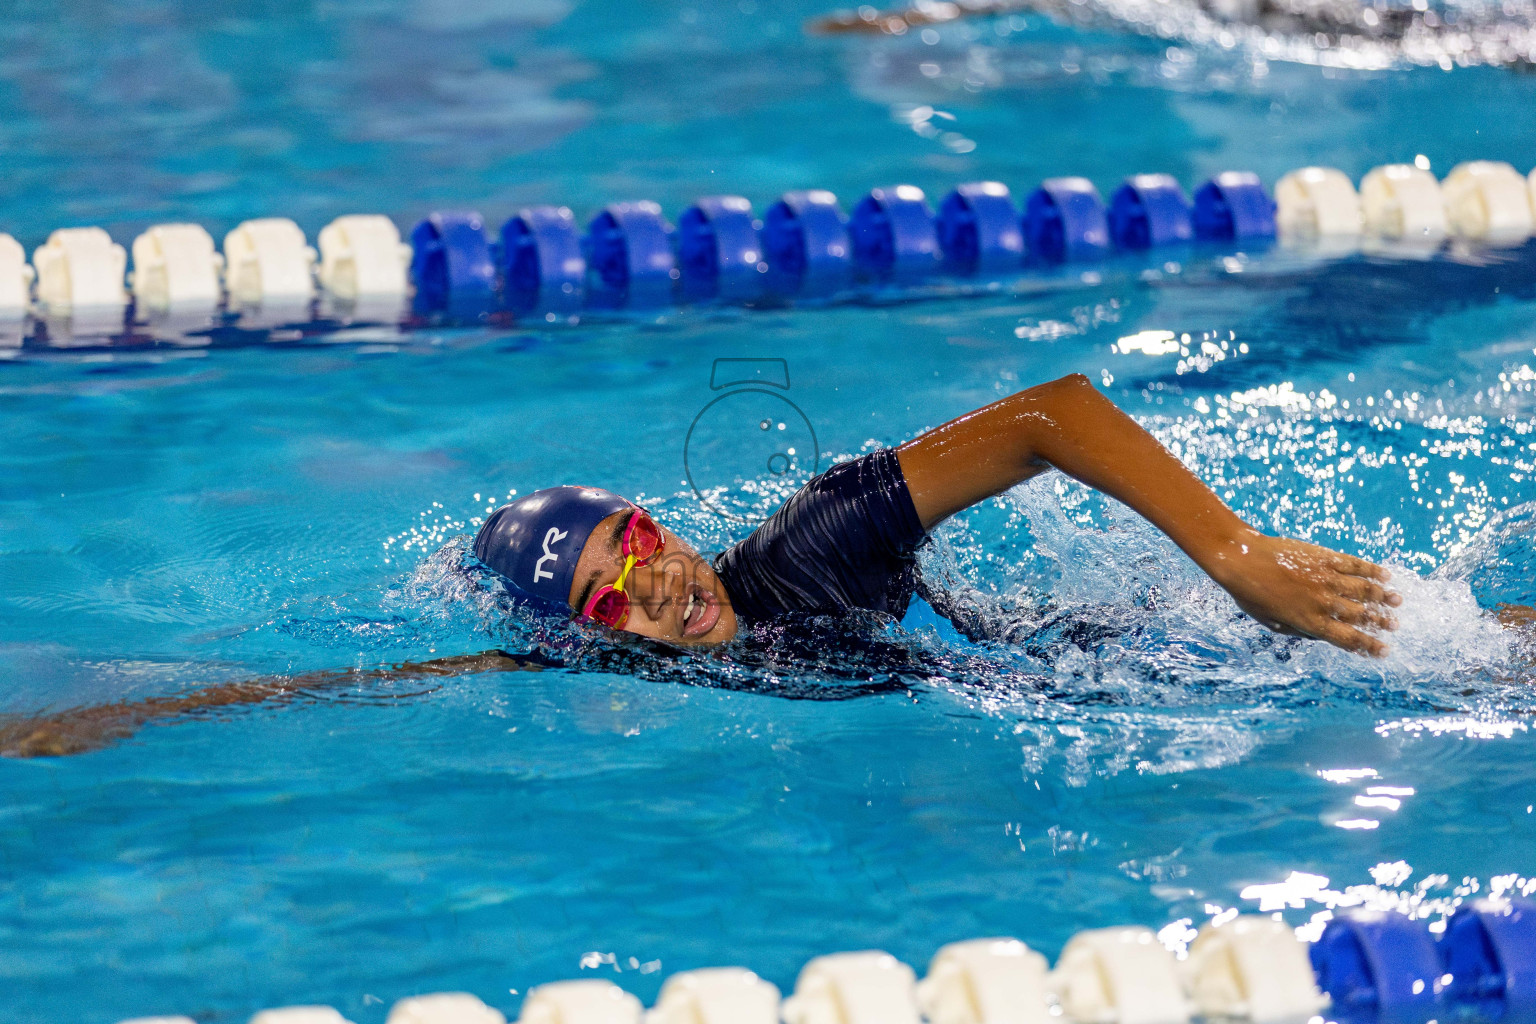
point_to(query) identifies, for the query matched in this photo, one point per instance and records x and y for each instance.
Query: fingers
(1341, 622)
(1352, 566)
(1357, 614)
(1351, 639)
(1366, 591)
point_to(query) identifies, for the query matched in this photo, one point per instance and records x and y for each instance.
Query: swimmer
(849, 538)
(1497, 38)
(846, 540)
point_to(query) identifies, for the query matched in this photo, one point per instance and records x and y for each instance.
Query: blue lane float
(1378, 966)
(1149, 210)
(1064, 220)
(804, 248)
(1489, 951)
(541, 261)
(1233, 207)
(451, 263)
(805, 242)
(629, 250)
(718, 249)
(893, 234)
(979, 229)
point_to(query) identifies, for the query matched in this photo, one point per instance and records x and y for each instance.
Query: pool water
(1107, 741)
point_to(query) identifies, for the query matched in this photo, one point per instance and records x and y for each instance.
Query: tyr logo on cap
(554, 536)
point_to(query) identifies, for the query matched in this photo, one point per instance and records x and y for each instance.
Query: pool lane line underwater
(1365, 967)
(539, 268)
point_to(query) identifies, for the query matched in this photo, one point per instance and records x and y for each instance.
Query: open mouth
(701, 612)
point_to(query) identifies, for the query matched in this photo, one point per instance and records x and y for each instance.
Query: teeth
(688, 612)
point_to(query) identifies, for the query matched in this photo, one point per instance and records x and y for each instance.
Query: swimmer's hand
(1516, 616)
(1301, 589)
(45, 737)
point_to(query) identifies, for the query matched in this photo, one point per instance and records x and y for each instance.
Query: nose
(653, 586)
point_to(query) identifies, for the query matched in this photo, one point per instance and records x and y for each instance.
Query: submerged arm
(76, 730)
(1288, 585)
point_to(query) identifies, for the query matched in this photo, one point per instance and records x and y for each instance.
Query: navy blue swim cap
(535, 541)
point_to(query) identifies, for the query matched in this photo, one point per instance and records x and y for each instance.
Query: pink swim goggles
(641, 544)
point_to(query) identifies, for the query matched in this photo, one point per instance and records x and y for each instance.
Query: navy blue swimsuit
(847, 539)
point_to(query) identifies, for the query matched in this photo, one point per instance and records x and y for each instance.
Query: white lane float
(175, 267)
(1488, 201)
(1252, 968)
(80, 268)
(300, 1015)
(1317, 202)
(1119, 976)
(444, 1008)
(587, 1001)
(986, 981)
(716, 995)
(870, 987)
(362, 255)
(268, 259)
(15, 280)
(1403, 202)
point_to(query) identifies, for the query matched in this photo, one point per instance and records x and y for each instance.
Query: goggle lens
(642, 540)
(610, 607)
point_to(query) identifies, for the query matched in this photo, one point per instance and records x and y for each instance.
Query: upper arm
(985, 452)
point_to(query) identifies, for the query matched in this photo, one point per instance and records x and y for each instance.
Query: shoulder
(843, 497)
(844, 540)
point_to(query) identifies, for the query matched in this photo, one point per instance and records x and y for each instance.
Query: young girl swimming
(848, 539)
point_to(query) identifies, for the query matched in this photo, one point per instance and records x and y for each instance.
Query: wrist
(1226, 556)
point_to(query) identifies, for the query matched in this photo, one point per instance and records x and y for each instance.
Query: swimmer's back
(847, 539)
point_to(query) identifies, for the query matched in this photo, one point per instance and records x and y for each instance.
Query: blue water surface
(1113, 743)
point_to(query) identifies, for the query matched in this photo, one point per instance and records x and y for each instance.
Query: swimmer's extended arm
(77, 730)
(1288, 585)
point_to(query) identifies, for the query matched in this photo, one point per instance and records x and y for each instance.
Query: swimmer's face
(676, 598)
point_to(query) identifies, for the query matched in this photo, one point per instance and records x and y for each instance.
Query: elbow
(1071, 384)
(1050, 410)
(1062, 392)
(1066, 400)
